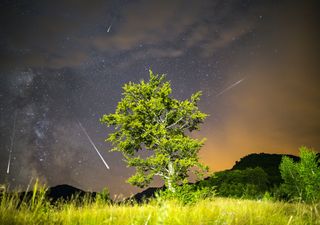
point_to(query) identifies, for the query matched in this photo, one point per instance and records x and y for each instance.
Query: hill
(145, 194)
(60, 192)
(65, 192)
(268, 162)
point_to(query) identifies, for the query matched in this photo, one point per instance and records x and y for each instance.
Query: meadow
(216, 210)
(229, 197)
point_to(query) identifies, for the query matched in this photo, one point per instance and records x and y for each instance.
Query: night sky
(64, 61)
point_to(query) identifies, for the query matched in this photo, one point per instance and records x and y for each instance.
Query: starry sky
(65, 61)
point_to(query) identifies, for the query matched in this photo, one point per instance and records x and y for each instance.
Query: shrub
(302, 179)
(248, 183)
(187, 193)
(103, 197)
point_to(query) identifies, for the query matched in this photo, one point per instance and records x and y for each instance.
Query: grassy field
(213, 211)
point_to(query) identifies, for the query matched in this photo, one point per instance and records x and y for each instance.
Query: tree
(148, 119)
(249, 183)
(302, 179)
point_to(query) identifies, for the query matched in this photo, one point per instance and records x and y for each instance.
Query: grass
(37, 210)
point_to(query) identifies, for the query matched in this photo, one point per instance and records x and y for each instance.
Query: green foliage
(103, 196)
(207, 211)
(248, 183)
(36, 205)
(302, 179)
(268, 162)
(187, 193)
(147, 118)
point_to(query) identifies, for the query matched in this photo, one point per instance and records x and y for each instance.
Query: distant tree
(249, 183)
(148, 119)
(302, 179)
(268, 162)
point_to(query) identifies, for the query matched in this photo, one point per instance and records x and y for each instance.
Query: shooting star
(12, 141)
(93, 145)
(230, 87)
(108, 30)
(9, 162)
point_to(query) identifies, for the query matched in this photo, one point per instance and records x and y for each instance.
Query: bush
(103, 197)
(301, 179)
(248, 183)
(187, 193)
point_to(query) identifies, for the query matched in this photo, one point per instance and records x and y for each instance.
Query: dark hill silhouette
(60, 193)
(145, 194)
(268, 162)
(66, 192)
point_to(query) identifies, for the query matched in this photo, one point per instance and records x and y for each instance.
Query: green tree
(248, 183)
(148, 119)
(302, 179)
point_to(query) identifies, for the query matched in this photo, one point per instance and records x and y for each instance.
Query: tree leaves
(302, 179)
(148, 118)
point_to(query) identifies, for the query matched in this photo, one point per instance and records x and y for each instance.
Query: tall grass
(38, 210)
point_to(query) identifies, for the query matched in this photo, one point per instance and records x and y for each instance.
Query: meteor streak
(93, 145)
(12, 141)
(9, 161)
(108, 30)
(230, 87)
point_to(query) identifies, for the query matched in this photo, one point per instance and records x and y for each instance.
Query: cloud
(208, 26)
(148, 23)
(58, 38)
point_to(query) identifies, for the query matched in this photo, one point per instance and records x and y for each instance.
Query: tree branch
(171, 125)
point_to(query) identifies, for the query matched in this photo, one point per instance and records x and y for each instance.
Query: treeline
(253, 176)
(260, 176)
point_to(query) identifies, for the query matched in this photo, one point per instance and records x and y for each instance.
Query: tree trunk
(170, 176)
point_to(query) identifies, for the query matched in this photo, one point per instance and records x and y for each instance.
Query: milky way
(65, 61)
